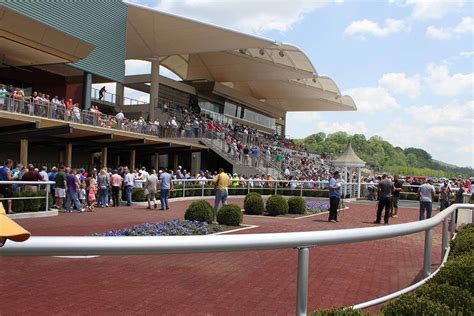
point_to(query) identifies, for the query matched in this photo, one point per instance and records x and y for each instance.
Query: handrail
(144, 245)
(29, 183)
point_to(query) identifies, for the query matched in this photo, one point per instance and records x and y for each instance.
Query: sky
(408, 64)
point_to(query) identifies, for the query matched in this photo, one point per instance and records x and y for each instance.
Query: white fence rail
(303, 241)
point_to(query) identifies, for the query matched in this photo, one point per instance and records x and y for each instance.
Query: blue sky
(408, 64)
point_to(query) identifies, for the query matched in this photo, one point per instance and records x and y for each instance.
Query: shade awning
(349, 159)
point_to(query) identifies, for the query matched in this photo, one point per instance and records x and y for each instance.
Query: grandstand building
(62, 48)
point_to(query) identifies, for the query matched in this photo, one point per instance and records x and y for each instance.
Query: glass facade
(246, 114)
(210, 106)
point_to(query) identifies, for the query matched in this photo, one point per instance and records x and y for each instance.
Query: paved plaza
(242, 283)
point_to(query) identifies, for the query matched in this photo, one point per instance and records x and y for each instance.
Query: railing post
(47, 197)
(276, 187)
(184, 188)
(248, 187)
(301, 190)
(302, 285)
(452, 226)
(428, 254)
(445, 238)
(202, 188)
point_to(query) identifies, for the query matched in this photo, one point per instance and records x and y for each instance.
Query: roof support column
(358, 182)
(68, 155)
(132, 160)
(24, 152)
(119, 92)
(103, 157)
(154, 88)
(87, 90)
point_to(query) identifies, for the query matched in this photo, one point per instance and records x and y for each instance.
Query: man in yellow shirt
(221, 182)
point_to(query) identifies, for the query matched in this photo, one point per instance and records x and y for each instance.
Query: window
(210, 106)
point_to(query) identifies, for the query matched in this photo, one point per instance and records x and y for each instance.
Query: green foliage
(18, 206)
(31, 205)
(230, 215)
(415, 305)
(458, 271)
(457, 299)
(43, 201)
(378, 152)
(277, 205)
(138, 195)
(464, 241)
(200, 211)
(253, 204)
(296, 205)
(340, 311)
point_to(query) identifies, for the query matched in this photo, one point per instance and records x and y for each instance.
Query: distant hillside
(380, 153)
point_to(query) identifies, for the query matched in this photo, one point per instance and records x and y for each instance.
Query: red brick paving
(241, 283)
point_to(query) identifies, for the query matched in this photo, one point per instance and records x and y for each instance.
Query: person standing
(397, 188)
(103, 185)
(334, 196)
(426, 193)
(371, 188)
(385, 188)
(221, 182)
(5, 189)
(165, 186)
(60, 187)
(129, 182)
(444, 193)
(116, 183)
(72, 191)
(151, 185)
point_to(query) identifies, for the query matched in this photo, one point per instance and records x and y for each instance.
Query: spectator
(116, 183)
(5, 189)
(60, 187)
(165, 186)
(221, 182)
(102, 91)
(151, 185)
(129, 181)
(426, 193)
(72, 191)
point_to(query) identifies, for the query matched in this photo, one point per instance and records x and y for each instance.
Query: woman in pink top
(92, 193)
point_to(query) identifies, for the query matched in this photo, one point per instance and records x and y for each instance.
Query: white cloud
(358, 127)
(247, 16)
(372, 100)
(399, 83)
(137, 67)
(467, 54)
(442, 83)
(431, 9)
(361, 28)
(466, 26)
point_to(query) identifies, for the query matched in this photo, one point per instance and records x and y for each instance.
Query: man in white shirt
(426, 193)
(129, 181)
(119, 117)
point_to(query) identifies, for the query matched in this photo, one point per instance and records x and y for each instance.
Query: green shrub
(276, 205)
(408, 196)
(30, 205)
(458, 271)
(457, 299)
(42, 193)
(138, 195)
(415, 305)
(296, 205)
(230, 215)
(200, 211)
(340, 311)
(250, 194)
(18, 206)
(464, 241)
(253, 204)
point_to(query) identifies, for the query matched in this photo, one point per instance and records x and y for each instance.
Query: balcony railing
(107, 97)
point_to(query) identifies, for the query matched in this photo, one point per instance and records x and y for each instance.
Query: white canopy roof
(349, 159)
(281, 75)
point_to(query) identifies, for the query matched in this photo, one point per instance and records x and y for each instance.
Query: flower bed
(316, 206)
(168, 228)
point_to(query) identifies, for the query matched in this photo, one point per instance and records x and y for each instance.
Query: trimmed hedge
(458, 271)
(200, 211)
(252, 194)
(253, 204)
(296, 205)
(31, 205)
(415, 305)
(340, 311)
(138, 195)
(464, 241)
(230, 215)
(457, 299)
(276, 205)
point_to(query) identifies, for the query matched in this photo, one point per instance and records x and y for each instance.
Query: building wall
(102, 23)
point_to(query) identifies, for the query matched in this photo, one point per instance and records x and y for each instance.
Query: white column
(358, 182)
(154, 87)
(119, 94)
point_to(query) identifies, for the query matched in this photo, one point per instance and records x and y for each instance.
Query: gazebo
(349, 159)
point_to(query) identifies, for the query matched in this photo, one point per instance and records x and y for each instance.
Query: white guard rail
(303, 241)
(17, 186)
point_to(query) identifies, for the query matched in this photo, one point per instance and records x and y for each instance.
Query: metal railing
(21, 186)
(112, 98)
(302, 241)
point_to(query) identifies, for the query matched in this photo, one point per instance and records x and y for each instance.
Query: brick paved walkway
(243, 283)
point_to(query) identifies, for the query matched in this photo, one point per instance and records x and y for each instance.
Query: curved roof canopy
(349, 159)
(281, 75)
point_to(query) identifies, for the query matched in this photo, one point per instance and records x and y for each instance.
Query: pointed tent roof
(349, 159)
